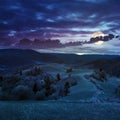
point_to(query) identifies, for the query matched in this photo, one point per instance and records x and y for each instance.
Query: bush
(22, 92)
(1, 93)
(73, 82)
(40, 95)
(117, 91)
(34, 72)
(40, 84)
(9, 82)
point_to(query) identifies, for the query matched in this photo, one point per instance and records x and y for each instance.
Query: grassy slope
(53, 110)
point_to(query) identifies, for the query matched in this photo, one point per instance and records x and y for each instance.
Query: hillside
(111, 66)
(14, 58)
(17, 57)
(44, 93)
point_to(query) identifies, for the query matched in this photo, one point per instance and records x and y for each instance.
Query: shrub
(22, 92)
(40, 95)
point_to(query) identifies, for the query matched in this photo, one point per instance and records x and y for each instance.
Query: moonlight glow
(98, 34)
(99, 42)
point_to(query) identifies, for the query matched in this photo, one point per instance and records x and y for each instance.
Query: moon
(98, 34)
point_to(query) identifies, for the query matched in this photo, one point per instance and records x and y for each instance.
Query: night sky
(66, 20)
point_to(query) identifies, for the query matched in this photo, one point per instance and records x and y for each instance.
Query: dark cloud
(101, 38)
(44, 18)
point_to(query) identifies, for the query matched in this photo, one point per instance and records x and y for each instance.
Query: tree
(66, 88)
(58, 77)
(35, 88)
(47, 86)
